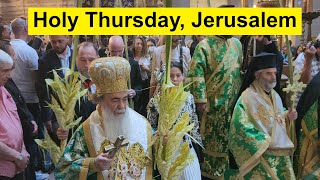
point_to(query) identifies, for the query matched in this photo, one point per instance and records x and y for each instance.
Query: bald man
(116, 48)
(26, 66)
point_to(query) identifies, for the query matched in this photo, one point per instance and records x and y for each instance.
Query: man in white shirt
(178, 53)
(308, 65)
(25, 72)
(63, 51)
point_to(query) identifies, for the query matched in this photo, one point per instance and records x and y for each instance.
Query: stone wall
(10, 9)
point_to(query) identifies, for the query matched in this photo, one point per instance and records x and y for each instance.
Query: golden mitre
(110, 74)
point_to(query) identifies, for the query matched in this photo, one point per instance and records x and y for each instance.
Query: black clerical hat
(263, 61)
(226, 6)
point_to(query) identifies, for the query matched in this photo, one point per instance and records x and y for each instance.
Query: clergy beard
(116, 125)
(267, 85)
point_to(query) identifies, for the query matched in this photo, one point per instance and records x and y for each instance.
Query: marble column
(244, 3)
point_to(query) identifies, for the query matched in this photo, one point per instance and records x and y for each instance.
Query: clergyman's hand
(201, 107)
(132, 93)
(292, 114)
(62, 134)
(102, 162)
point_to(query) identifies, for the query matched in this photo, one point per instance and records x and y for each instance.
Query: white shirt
(144, 61)
(315, 68)
(64, 59)
(22, 74)
(160, 56)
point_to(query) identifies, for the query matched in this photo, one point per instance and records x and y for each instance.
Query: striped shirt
(11, 132)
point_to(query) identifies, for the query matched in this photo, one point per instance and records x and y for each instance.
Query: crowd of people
(236, 104)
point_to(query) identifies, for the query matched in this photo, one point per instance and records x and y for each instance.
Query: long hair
(144, 46)
(5, 45)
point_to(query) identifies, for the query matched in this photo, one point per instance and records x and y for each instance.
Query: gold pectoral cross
(112, 149)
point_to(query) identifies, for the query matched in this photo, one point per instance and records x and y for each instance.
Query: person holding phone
(140, 52)
(308, 64)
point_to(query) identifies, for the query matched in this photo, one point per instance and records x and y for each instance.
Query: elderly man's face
(116, 50)
(5, 73)
(85, 56)
(116, 102)
(268, 78)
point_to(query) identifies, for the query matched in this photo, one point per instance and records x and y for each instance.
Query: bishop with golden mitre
(94, 151)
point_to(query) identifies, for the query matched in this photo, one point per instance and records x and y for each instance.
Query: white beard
(115, 126)
(267, 85)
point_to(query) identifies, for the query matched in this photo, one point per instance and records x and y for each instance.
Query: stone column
(244, 3)
(181, 3)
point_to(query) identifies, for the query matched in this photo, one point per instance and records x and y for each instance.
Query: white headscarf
(5, 59)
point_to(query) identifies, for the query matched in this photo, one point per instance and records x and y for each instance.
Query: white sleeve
(299, 63)
(32, 60)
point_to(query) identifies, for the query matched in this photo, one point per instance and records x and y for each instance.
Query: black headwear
(226, 6)
(261, 61)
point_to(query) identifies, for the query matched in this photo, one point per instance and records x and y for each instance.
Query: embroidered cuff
(92, 165)
(200, 101)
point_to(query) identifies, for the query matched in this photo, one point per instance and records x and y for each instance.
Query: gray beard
(267, 86)
(115, 126)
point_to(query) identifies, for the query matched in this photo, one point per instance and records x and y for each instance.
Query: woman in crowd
(140, 53)
(192, 171)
